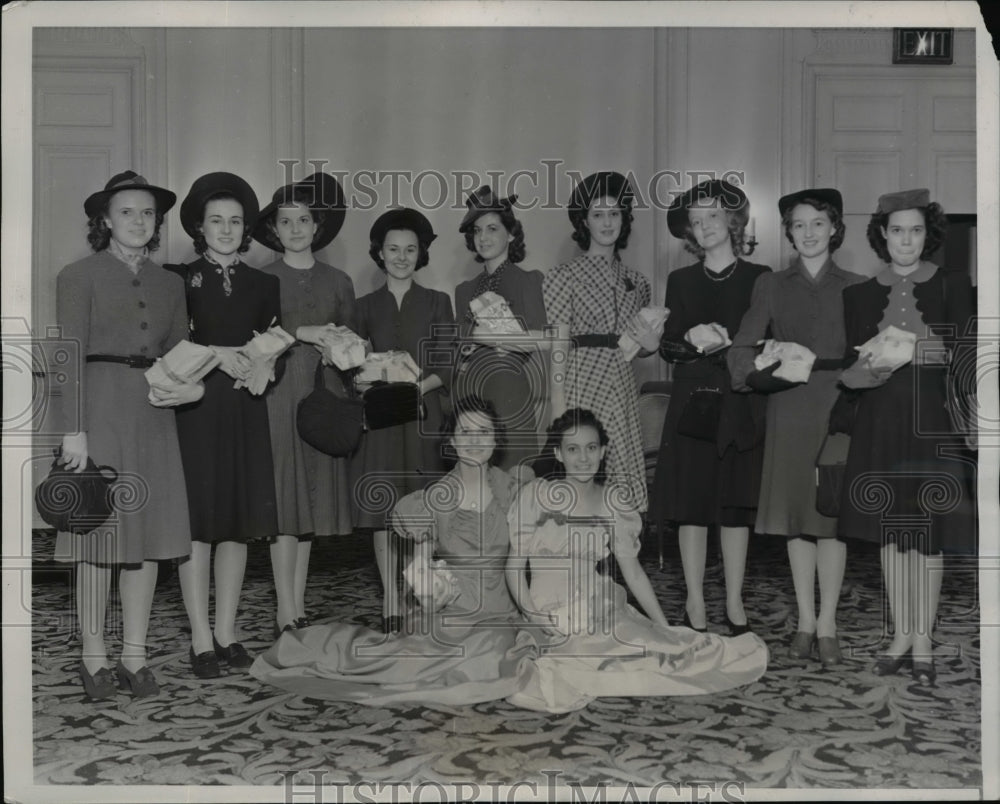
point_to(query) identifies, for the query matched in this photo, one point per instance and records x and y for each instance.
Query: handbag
(831, 467)
(390, 403)
(701, 415)
(76, 502)
(328, 421)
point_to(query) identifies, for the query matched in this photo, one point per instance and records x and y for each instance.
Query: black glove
(764, 381)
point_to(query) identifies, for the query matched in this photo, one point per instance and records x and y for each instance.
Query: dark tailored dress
(700, 482)
(313, 489)
(907, 480)
(395, 461)
(225, 440)
(109, 310)
(514, 382)
(809, 312)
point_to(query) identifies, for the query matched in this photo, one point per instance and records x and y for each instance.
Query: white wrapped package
(344, 348)
(891, 349)
(396, 366)
(264, 349)
(796, 360)
(493, 315)
(708, 338)
(187, 362)
(654, 318)
(433, 584)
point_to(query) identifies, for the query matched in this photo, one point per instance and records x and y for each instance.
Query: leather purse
(76, 502)
(701, 415)
(388, 404)
(831, 468)
(330, 422)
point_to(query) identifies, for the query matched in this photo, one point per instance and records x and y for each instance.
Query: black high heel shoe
(142, 683)
(234, 654)
(736, 630)
(686, 620)
(889, 665)
(100, 686)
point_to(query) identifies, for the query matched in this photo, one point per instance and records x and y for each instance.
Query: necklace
(722, 275)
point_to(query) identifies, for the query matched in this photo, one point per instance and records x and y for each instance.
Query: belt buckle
(135, 361)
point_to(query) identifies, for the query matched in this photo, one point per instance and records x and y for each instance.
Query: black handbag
(390, 403)
(831, 467)
(328, 421)
(76, 502)
(701, 415)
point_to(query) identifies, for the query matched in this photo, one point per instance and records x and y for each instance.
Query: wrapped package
(493, 315)
(263, 350)
(343, 348)
(187, 362)
(891, 349)
(396, 366)
(708, 338)
(654, 318)
(433, 584)
(796, 360)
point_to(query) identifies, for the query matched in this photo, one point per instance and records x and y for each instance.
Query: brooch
(196, 280)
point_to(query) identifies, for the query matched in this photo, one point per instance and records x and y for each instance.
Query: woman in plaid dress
(593, 299)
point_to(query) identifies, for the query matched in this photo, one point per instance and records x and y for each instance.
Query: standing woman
(225, 441)
(512, 380)
(124, 311)
(708, 468)
(313, 489)
(898, 466)
(804, 305)
(401, 315)
(592, 300)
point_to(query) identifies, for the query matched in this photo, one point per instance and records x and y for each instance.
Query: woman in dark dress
(124, 312)
(906, 481)
(225, 441)
(512, 379)
(804, 305)
(401, 315)
(313, 489)
(708, 471)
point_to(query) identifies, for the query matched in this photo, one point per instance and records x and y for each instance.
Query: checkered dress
(595, 297)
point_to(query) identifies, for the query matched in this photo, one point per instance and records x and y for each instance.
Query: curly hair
(200, 244)
(581, 234)
(303, 198)
(569, 421)
(736, 221)
(836, 220)
(99, 233)
(423, 251)
(935, 221)
(473, 404)
(515, 248)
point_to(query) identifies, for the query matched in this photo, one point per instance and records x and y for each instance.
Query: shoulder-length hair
(934, 219)
(99, 233)
(571, 420)
(473, 404)
(581, 234)
(736, 222)
(423, 250)
(200, 245)
(836, 220)
(515, 248)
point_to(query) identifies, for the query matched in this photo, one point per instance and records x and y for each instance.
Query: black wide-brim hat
(730, 196)
(129, 180)
(480, 203)
(204, 187)
(606, 183)
(323, 195)
(402, 218)
(827, 195)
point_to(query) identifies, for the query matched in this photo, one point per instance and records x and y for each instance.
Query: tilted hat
(730, 196)
(204, 187)
(825, 194)
(129, 180)
(323, 195)
(905, 199)
(402, 218)
(604, 184)
(481, 202)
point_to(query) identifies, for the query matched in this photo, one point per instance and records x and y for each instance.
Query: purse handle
(104, 470)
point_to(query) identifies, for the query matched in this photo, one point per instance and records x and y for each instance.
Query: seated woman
(465, 646)
(591, 642)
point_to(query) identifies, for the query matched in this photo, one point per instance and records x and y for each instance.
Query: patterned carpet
(800, 726)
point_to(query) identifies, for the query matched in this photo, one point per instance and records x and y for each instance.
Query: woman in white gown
(591, 642)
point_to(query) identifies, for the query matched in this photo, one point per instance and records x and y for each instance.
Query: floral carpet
(800, 726)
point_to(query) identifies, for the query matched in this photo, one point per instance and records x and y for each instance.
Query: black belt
(608, 341)
(828, 364)
(132, 361)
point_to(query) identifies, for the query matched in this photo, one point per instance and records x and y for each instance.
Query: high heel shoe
(829, 651)
(205, 664)
(888, 664)
(142, 683)
(279, 630)
(302, 622)
(100, 686)
(802, 645)
(924, 673)
(736, 630)
(234, 654)
(686, 620)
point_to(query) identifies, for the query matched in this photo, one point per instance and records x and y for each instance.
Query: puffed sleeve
(503, 486)
(753, 327)
(628, 526)
(557, 294)
(413, 519)
(74, 292)
(522, 518)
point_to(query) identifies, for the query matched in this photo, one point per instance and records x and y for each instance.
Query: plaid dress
(595, 298)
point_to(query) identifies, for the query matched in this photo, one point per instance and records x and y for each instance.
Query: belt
(828, 364)
(132, 361)
(607, 341)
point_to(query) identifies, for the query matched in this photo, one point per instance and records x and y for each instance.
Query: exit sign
(922, 45)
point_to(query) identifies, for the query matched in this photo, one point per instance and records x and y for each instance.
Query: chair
(654, 398)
